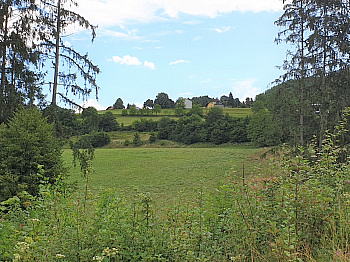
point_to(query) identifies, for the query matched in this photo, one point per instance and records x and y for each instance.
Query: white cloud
(192, 22)
(132, 60)
(127, 35)
(94, 103)
(107, 13)
(126, 60)
(179, 62)
(245, 88)
(222, 29)
(149, 65)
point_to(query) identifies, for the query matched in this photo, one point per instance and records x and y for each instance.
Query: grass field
(163, 172)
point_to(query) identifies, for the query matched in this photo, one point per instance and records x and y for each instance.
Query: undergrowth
(300, 212)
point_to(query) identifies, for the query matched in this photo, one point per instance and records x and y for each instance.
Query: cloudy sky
(185, 48)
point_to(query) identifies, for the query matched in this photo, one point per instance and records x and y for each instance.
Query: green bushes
(216, 128)
(29, 154)
(97, 139)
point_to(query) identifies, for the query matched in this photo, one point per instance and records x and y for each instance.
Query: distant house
(211, 105)
(110, 108)
(215, 104)
(188, 103)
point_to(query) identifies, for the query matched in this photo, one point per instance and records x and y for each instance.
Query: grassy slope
(162, 171)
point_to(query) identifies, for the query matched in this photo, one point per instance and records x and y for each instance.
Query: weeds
(300, 213)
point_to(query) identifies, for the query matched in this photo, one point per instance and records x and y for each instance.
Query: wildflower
(22, 247)
(16, 258)
(60, 256)
(97, 258)
(34, 219)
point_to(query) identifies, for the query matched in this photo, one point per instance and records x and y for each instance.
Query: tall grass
(300, 212)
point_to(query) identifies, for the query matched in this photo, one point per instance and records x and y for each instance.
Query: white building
(188, 103)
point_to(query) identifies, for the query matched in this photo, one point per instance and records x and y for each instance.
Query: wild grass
(299, 210)
(163, 172)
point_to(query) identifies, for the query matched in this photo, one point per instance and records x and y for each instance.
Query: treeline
(215, 127)
(164, 101)
(192, 127)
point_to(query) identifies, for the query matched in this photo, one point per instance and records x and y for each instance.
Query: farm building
(188, 103)
(215, 104)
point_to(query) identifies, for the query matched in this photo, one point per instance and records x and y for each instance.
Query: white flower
(34, 219)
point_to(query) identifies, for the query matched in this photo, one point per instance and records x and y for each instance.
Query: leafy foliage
(93, 140)
(164, 101)
(119, 104)
(30, 154)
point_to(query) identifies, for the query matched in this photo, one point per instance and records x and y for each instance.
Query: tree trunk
(302, 84)
(3, 67)
(57, 54)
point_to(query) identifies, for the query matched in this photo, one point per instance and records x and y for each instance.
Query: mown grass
(164, 172)
(128, 120)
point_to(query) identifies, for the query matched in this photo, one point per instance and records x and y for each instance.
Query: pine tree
(56, 17)
(294, 19)
(19, 56)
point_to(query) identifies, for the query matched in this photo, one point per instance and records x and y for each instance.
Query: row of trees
(31, 40)
(193, 128)
(67, 123)
(163, 100)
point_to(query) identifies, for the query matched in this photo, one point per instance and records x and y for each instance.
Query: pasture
(164, 172)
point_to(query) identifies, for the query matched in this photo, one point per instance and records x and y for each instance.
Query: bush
(145, 125)
(152, 138)
(108, 123)
(124, 112)
(166, 126)
(29, 154)
(137, 140)
(98, 139)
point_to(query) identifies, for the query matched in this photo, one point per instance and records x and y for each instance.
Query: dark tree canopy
(164, 101)
(148, 103)
(119, 104)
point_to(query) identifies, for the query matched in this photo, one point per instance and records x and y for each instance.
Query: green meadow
(164, 172)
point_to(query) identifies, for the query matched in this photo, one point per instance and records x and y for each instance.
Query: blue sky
(183, 48)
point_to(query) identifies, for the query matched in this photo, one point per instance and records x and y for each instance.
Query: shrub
(124, 112)
(137, 140)
(100, 139)
(152, 138)
(94, 140)
(27, 147)
(145, 125)
(107, 122)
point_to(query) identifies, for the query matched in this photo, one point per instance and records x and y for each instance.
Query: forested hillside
(277, 111)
